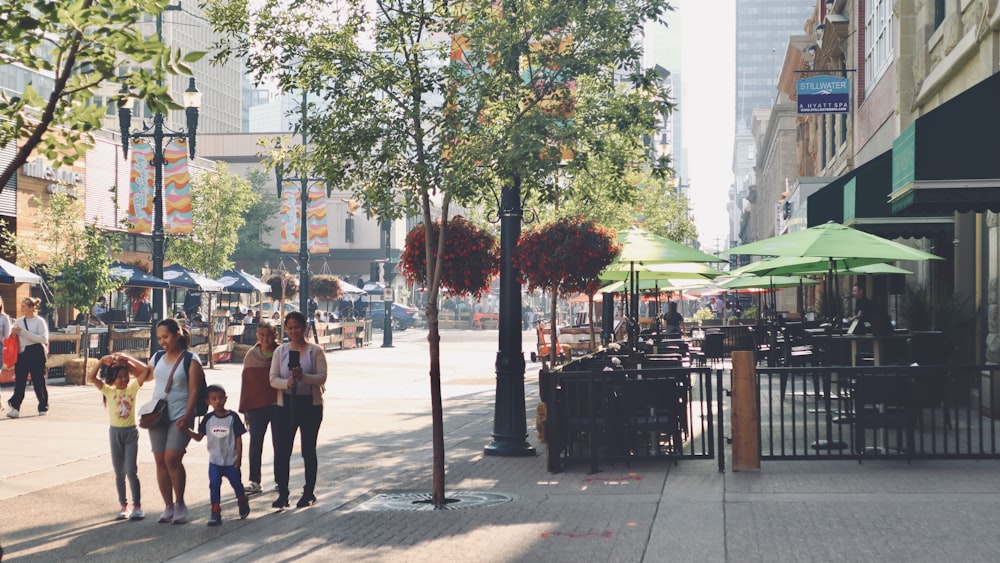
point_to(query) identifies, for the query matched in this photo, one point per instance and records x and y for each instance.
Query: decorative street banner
(319, 240)
(178, 217)
(290, 217)
(823, 94)
(140, 206)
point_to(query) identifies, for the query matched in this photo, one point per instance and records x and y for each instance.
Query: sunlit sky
(707, 36)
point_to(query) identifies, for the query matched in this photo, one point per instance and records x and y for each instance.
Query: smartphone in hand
(293, 359)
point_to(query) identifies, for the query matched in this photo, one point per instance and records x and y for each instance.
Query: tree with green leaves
(81, 45)
(654, 205)
(256, 219)
(414, 104)
(78, 256)
(219, 200)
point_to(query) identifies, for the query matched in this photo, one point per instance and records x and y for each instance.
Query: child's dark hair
(214, 388)
(109, 374)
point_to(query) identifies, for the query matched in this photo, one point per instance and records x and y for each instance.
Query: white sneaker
(180, 513)
(123, 513)
(12, 413)
(253, 488)
(42, 413)
(137, 513)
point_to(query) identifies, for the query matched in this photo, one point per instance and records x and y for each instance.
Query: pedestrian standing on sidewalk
(259, 401)
(169, 441)
(5, 326)
(33, 334)
(119, 399)
(301, 399)
(225, 452)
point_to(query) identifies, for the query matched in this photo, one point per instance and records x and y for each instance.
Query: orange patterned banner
(140, 201)
(290, 217)
(178, 217)
(319, 240)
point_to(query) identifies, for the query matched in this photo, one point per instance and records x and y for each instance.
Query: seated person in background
(862, 309)
(100, 309)
(674, 320)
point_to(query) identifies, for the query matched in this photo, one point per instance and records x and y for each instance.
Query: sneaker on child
(12, 413)
(254, 488)
(215, 519)
(137, 513)
(123, 513)
(244, 505)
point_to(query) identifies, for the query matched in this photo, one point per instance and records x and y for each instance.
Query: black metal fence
(896, 411)
(618, 415)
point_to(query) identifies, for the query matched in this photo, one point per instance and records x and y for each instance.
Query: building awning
(947, 160)
(859, 199)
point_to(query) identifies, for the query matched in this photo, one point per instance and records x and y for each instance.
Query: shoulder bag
(154, 413)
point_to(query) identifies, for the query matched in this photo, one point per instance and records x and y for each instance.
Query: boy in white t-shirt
(225, 452)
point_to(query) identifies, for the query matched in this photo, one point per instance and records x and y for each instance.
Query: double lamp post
(158, 132)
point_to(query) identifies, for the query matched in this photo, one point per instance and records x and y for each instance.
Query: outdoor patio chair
(882, 403)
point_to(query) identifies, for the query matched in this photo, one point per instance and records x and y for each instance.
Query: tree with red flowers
(565, 257)
(462, 258)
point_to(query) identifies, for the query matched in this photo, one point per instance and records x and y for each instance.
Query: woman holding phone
(298, 370)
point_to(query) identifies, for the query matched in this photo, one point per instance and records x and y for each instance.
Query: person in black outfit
(674, 320)
(862, 306)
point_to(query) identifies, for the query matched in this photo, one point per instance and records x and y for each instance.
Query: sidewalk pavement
(57, 493)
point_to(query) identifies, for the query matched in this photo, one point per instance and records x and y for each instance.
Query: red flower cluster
(565, 256)
(471, 256)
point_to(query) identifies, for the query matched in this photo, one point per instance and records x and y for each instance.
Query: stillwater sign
(823, 94)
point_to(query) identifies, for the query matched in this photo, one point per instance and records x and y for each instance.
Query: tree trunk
(553, 356)
(437, 412)
(593, 338)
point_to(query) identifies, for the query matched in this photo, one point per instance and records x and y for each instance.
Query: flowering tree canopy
(471, 256)
(566, 256)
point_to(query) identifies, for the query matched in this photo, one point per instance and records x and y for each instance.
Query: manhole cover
(418, 501)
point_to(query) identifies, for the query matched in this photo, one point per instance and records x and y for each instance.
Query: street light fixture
(158, 132)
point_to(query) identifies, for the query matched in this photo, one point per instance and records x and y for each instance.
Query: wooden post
(746, 416)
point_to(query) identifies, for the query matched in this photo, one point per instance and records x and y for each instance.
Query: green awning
(947, 160)
(863, 204)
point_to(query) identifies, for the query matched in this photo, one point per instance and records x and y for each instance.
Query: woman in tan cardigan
(301, 399)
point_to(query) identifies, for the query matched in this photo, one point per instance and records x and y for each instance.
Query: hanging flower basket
(471, 257)
(291, 285)
(565, 256)
(325, 287)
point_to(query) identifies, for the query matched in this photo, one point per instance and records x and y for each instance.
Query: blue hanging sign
(823, 94)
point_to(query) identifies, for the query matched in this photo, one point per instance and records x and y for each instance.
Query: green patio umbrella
(879, 268)
(797, 265)
(831, 241)
(765, 282)
(668, 271)
(642, 246)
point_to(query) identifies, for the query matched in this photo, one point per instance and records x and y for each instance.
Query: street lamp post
(387, 275)
(303, 219)
(510, 431)
(158, 132)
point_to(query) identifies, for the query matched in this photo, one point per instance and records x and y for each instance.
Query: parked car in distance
(403, 317)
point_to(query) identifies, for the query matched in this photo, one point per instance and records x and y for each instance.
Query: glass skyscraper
(762, 31)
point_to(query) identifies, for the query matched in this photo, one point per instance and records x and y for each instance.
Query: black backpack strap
(156, 356)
